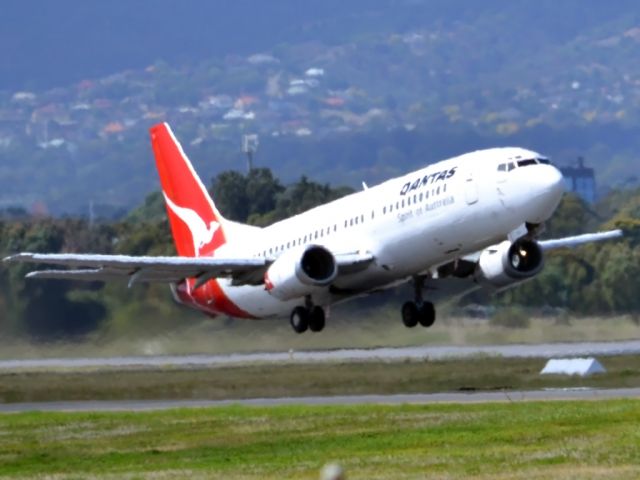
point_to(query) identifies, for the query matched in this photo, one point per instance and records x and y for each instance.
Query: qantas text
(427, 179)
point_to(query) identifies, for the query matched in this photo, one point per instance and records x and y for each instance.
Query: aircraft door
(470, 189)
(501, 176)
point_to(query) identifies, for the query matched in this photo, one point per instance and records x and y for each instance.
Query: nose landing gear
(418, 311)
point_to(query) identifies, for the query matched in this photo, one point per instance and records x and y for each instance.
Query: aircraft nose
(546, 184)
(544, 181)
(554, 180)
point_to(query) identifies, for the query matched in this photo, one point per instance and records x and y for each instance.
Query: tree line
(594, 279)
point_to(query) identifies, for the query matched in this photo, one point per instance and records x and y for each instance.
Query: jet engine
(509, 263)
(299, 272)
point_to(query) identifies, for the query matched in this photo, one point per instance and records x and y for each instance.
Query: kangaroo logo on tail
(201, 234)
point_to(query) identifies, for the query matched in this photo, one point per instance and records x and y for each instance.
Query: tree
(620, 271)
(571, 217)
(229, 190)
(261, 191)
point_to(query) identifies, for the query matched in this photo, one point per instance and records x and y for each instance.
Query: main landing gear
(310, 317)
(418, 311)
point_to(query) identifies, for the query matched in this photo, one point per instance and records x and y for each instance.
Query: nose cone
(554, 180)
(546, 187)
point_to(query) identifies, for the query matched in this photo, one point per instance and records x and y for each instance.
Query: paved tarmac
(456, 397)
(549, 350)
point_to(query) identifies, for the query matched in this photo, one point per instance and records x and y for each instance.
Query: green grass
(521, 440)
(295, 379)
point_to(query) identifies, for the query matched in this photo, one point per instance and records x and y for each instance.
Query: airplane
(475, 218)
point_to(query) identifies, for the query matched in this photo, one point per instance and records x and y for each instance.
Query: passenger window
(362, 218)
(384, 210)
(415, 198)
(444, 187)
(426, 194)
(438, 191)
(421, 196)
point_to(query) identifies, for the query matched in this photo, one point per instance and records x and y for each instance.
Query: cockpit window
(502, 167)
(527, 162)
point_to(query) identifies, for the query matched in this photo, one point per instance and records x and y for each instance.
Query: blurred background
(323, 95)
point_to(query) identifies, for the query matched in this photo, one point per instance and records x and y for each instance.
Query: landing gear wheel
(316, 319)
(410, 314)
(299, 319)
(427, 314)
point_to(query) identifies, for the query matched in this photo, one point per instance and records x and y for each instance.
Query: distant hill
(340, 91)
(46, 44)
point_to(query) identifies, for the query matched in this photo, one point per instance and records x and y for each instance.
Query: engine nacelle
(509, 263)
(300, 271)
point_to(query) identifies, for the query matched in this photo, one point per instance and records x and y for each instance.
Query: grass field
(566, 440)
(305, 379)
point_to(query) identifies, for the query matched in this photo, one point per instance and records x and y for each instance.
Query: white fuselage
(410, 224)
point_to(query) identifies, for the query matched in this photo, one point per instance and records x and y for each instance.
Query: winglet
(195, 221)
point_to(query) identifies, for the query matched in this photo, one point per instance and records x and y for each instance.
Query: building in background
(580, 180)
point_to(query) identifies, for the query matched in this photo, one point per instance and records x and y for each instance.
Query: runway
(549, 350)
(455, 397)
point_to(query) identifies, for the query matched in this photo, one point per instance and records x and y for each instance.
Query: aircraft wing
(91, 267)
(458, 278)
(146, 269)
(570, 242)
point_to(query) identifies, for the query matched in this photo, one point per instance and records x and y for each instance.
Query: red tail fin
(195, 221)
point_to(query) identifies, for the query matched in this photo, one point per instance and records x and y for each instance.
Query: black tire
(410, 314)
(427, 314)
(299, 319)
(316, 319)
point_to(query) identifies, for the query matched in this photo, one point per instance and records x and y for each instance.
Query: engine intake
(509, 263)
(299, 272)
